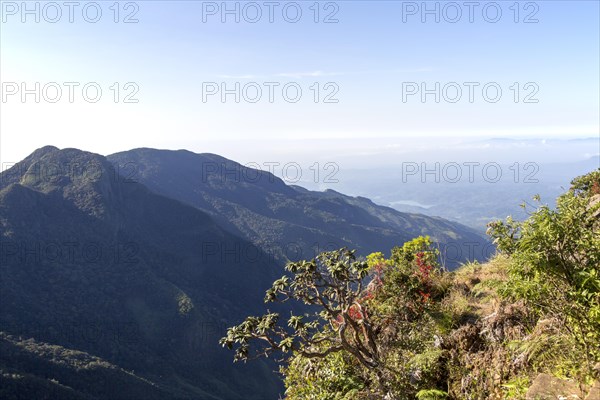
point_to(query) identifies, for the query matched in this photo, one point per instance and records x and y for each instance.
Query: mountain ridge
(102, 266)
(87, 265)
(262, 208)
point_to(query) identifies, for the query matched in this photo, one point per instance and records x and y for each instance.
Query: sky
(331, 75)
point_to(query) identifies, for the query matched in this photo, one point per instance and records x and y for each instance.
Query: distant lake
(411, 203)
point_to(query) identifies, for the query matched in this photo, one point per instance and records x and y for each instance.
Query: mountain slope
(288, 221)
(99, 270)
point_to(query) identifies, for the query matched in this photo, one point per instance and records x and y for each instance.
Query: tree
(333, 282)
(354, 305)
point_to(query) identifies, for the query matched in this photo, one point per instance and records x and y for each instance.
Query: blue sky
(367, 58)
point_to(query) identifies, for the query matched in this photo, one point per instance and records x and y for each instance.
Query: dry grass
(473, 295)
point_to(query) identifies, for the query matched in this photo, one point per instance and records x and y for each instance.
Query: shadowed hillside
(288, 221)
(95, 267)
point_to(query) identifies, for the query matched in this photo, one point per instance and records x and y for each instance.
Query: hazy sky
(375, 61)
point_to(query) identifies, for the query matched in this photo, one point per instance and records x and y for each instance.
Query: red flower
(355, 313)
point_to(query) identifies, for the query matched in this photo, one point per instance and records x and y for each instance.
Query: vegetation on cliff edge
(404, 328)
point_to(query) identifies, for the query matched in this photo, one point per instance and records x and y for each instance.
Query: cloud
(300, 75)
(321, 74)
(424, 69)
(317, 74)
(248, 76)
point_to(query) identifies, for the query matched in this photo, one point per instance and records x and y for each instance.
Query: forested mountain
(119, 276)
(289, 222)
(108, 290)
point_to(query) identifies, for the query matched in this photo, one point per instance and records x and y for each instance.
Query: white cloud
(300, 75)
(248, 76)
(320, 74)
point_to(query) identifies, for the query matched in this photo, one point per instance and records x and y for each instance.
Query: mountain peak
(202, 169)
(43, 150)
(39, 153)
(86, 180)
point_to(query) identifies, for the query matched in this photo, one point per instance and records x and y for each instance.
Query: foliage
(431, 394)
(587, 185)
(403, 328)
(555, 263)
(334, 282)
(334, 377)
(374, 321)
(516, 388)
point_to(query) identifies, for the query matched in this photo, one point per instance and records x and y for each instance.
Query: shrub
(555, 264)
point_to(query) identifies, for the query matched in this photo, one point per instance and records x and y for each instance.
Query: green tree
(334, 282)
(555, 262)
(370, 318)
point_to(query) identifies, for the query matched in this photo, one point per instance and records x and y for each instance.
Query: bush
(403, 328)
(555, 264)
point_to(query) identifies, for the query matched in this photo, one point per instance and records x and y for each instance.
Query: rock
(548, 387)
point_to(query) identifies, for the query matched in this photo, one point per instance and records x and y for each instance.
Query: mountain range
(118, 274)
(288, 221)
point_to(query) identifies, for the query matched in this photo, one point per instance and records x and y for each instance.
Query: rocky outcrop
(548, 387)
